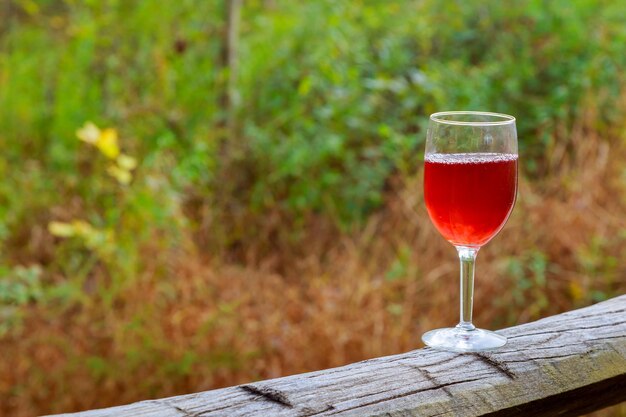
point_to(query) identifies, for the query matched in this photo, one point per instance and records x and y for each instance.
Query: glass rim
(501, 118)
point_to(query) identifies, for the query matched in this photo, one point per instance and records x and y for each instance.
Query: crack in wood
(531, 349)
(177, 408)
(569, 355)
(551, 338)
(494, 363)
(428, 376)
(438, 362)
(270, 394)
(612, 337)
(404, 394)
(185, 412)
(561, 331)
(434, 381)
(588, 316)
(599, 327)
(443, 413)
(309, 412)
(536, 346)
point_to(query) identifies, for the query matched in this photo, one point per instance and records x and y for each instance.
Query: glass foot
(460, 340)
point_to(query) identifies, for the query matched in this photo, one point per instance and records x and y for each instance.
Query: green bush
(333, 101)
(335, 96)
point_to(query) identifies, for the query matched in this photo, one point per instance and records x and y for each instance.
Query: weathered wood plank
(568, 364)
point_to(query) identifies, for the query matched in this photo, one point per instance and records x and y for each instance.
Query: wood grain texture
(568, 364)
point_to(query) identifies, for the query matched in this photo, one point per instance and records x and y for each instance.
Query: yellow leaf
(61, 229)
(82, 228)
(107, 143)
(89, 133)
(123, 176)
(126, 162)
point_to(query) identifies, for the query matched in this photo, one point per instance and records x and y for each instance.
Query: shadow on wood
(567, 365)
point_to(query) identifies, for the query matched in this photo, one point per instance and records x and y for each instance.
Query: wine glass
(470, 183)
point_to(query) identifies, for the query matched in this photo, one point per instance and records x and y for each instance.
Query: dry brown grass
(205, 323)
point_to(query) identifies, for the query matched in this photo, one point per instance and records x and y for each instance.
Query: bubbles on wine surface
(469, 158)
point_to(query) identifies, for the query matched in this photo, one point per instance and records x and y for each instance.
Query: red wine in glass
(470, 182)
(469, 196)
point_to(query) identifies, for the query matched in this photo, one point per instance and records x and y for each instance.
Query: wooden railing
(564, 365)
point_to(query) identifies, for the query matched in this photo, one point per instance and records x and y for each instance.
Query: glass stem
(467, 257)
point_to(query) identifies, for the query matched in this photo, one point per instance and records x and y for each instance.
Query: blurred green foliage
(333, 101)
(333, 95)
(18, 287)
